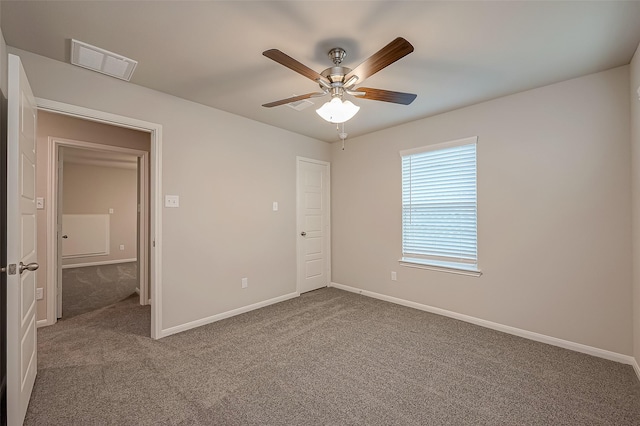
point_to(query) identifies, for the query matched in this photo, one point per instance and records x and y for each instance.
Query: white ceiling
(211, 52)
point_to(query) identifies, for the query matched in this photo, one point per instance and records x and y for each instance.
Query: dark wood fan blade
(386, 95)
(393, 51)
(293, 99)
(291, 63)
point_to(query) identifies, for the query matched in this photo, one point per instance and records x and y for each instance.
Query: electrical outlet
(39, 295)
(394, 276)
(245, 282)
(121, 246)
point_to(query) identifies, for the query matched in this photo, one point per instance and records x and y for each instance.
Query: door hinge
(10, 270)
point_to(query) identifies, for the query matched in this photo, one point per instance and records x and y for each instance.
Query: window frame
(469, 269)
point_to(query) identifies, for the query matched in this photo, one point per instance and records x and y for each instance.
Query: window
(439, 207)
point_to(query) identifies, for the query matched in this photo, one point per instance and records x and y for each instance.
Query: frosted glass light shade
(337, 111)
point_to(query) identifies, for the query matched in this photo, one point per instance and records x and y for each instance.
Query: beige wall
(554, 223)
(227, 170)
(634, 74)
(90, 189)
(65, 127)
(554, 204)
(61, 126)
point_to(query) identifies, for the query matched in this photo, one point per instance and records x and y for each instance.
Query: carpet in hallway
(89, 288)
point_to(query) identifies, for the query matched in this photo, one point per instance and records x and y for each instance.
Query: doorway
(101, 207)
(149, 166)
(314, 227)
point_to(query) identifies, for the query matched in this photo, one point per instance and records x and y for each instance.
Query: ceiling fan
(338, 80)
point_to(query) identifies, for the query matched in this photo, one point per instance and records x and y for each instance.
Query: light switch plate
(39, 295)
(172, 201)
(40, 203)
(275, 206)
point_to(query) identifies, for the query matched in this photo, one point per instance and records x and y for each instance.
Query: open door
(21, 243)
(59, 235)
(3, 259)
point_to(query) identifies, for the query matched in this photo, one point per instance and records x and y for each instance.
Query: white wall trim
(636, 367)
(42, 323)
(566, 344)
(155, 195)
(99, 263)
(53, 182)
(95, 115)
(224, 315)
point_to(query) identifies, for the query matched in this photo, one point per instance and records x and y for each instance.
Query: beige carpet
(328, 357)
(89, 288)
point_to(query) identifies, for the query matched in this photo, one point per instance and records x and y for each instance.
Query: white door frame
(155, 204)
(299, 225)
(53, 188)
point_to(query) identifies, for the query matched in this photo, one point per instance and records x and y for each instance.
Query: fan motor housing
(336, 74)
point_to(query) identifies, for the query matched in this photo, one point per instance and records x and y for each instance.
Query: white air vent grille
(86, 56)
(300, 105)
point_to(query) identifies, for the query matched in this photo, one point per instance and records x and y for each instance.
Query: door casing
(154, 236)
(54, 215)
(3, 260)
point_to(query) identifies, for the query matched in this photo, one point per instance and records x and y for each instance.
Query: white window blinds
(439, 213)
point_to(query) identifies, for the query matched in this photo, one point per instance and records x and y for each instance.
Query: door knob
(304, 234)
(65, 236)
(30, 267)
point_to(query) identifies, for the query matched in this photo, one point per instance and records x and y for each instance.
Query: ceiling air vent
(86, 56)
(300, 105)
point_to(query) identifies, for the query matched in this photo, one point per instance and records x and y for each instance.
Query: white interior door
(59, 234)
(143, 231)
(314, 259)
(21, 243)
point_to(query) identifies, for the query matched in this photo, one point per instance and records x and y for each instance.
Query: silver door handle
(304, 234)
(30, 267)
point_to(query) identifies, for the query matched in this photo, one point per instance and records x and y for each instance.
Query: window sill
(450, 267)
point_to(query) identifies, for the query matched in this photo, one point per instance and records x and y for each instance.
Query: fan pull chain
(342, 135)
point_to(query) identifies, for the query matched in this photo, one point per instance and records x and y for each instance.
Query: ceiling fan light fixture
(337, 111)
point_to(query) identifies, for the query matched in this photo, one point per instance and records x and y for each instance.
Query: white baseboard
(43, 323)
(228, 314)
(99, 263)
(636, 367)
(578, 347)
